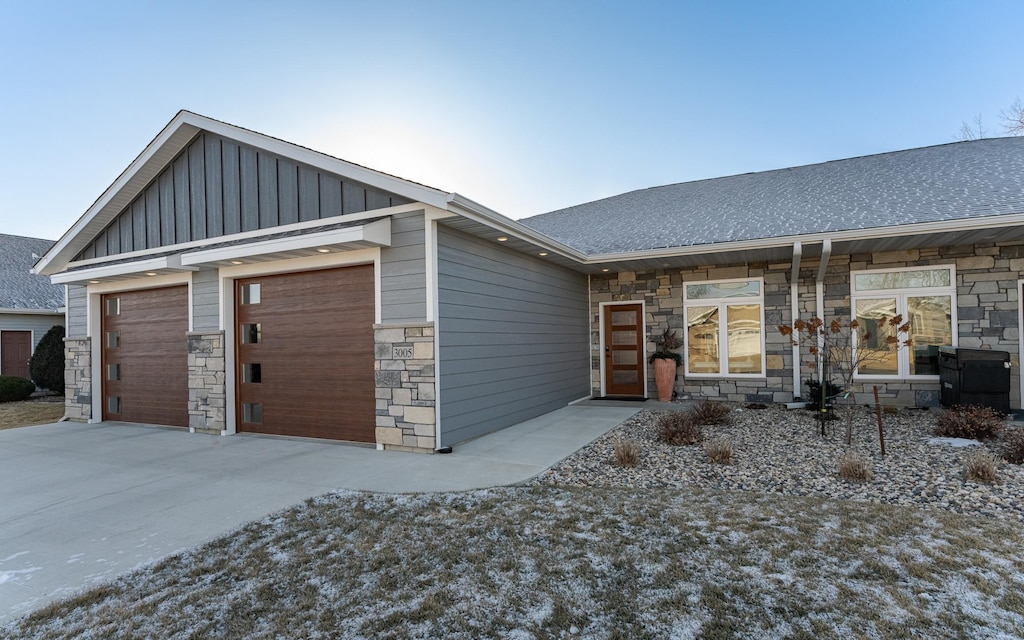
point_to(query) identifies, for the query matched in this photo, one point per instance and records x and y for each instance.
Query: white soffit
(123, 271)
(373, 234)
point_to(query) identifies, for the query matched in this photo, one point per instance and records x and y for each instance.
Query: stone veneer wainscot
(206, 382)
(404, 372)
(78, 379)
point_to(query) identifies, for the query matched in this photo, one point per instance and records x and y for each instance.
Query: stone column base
(206, 391)
(404, 375)
(78, 379)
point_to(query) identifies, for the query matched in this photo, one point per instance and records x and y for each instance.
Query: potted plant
(665, 361)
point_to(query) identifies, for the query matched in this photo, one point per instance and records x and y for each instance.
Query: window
(725, 328)
(113, 306)
(113, 372)
(251, 293)
(113, 339)
(252, 412)
(924, 297)
(251, 333)
(252, 373)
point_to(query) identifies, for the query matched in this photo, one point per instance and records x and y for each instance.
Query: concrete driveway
(80, 504)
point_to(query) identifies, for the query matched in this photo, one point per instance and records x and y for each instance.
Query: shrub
(720, 450)
(971, 422)
(47, 363)
(13, 388)
(678, 429)
(1013, 446)
(814, 392)
(708, 412)
(853, 466)
(980, 465)
(627, 453)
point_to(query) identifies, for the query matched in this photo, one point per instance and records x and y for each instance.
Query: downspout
(819, 289)
(794, 296)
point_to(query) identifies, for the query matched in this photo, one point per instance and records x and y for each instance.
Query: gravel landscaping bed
(781, 451)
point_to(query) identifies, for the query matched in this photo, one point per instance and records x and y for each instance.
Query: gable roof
(19, 288)
(944, 183)
(174, 137)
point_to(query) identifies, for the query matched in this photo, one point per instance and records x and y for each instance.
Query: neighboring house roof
(19, 289)
(957, 181)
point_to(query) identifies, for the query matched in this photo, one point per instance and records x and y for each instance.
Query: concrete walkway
(80, 504)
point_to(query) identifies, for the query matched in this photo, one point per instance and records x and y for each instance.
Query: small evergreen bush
(678, 429)
(814, 393)
(47, 363)
(14, 388)
(971, 422)
(708, 412)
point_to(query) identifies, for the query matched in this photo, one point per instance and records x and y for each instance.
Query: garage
(304, 354)
(145, 356)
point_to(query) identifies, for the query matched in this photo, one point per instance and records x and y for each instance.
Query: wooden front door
(15, 349)
(304, 354)
(624, 350)
(145, 356)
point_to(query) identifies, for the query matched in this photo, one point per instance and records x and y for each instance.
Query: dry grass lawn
(28, 412)
(549, 562)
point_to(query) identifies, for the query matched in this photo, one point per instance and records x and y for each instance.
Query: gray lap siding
(512, 334)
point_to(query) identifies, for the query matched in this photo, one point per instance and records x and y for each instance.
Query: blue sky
(523, 106)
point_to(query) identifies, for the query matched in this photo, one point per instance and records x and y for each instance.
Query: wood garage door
(304, 354)
(145, 356)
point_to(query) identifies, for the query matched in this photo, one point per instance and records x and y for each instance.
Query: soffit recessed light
(94, 282)
(236, 262)
(322, 250)
(543, 253)
(502, 238)
(151, 273)
(605, 270)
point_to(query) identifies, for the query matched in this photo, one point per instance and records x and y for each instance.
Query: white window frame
(723, 328)
(900, 296)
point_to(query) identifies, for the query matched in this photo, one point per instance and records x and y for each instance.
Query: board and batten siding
(217, 187)
(513, 336)
(205, 301)
(38, 324)
(403, 279)
(78, 314)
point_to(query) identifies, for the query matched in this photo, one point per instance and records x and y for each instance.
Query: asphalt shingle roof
(953, 181)
(19, 289)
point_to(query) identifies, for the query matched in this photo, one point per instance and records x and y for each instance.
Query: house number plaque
(401, 353)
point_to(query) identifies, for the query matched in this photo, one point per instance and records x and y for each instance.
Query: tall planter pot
(665, 377)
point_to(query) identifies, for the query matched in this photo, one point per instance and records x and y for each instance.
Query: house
(231, 282)
(29, 304)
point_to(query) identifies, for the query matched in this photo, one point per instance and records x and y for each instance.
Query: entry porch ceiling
(723, 255)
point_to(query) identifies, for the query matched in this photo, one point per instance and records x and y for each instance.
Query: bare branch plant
(838, 343)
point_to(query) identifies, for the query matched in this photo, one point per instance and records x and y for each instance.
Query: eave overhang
(364, 236)
(123, 271)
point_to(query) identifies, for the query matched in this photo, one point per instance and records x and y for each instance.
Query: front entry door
(16, 350)
(624, 350)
